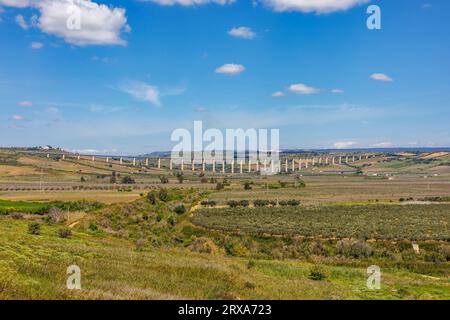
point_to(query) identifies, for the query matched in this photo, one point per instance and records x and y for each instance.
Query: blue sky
(139, 69)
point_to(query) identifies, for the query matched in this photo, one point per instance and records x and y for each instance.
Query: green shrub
(219, 186)
(244, 203)
(172, 220)
(355, 249)
(164, 179)
(128, 180)
(93, 227)
(151, 197)
(232, 203)
(261, 203)
(235, 249)
(163, 195)
(317, 273)
(180, 209)
(34, 228)
(64, 233)
(208, 203)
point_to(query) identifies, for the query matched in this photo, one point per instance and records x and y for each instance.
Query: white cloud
(25, 104)
(99, 24)
(21, 22)
(344, 144)
(337, 91)
(187, 3)
(242, 32)
(231, 69)
(317, 6)
(18, 118)
(381, 77)
(142, 91)
(16, 3)
(200, 109)
(278, 94)
(385, 144)
(37, 45)
(301, 88)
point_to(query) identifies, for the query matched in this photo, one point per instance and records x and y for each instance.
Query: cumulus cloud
(230, 69)
(317, 6)
(384, 144)
(301, 88)
(37, 45)
(99, 24)
(142, 91)
(242, 32)
(344, 144)
(26, 104)
(381, 77)
(187, 3)
(278, 94)
(18, 118)
(78, 22)
(16, 3)
(20, 20)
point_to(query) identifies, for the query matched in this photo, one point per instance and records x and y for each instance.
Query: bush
(64, 233)
(151, 197)
(140, 244)
(34, 228)
(235, 249)
(163, 195)
(159, 216)
(355, 249)
(208, 203)
(93, 227)
(180, 209)
(261, 203)
(232, 203)
(128, 180)
(180, 177)
(164, 179)
(316, 248)
(56, 215)
(244, 203)
(204, 180)
(317, 273)
(172, 220)
(16, 215)
(219, 186)
(293, 202)
(247, 186)
(203, 245)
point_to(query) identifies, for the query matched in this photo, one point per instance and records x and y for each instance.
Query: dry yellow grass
(435, 155)
(7, 170)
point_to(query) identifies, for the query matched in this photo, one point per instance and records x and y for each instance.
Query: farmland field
(375, 221)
